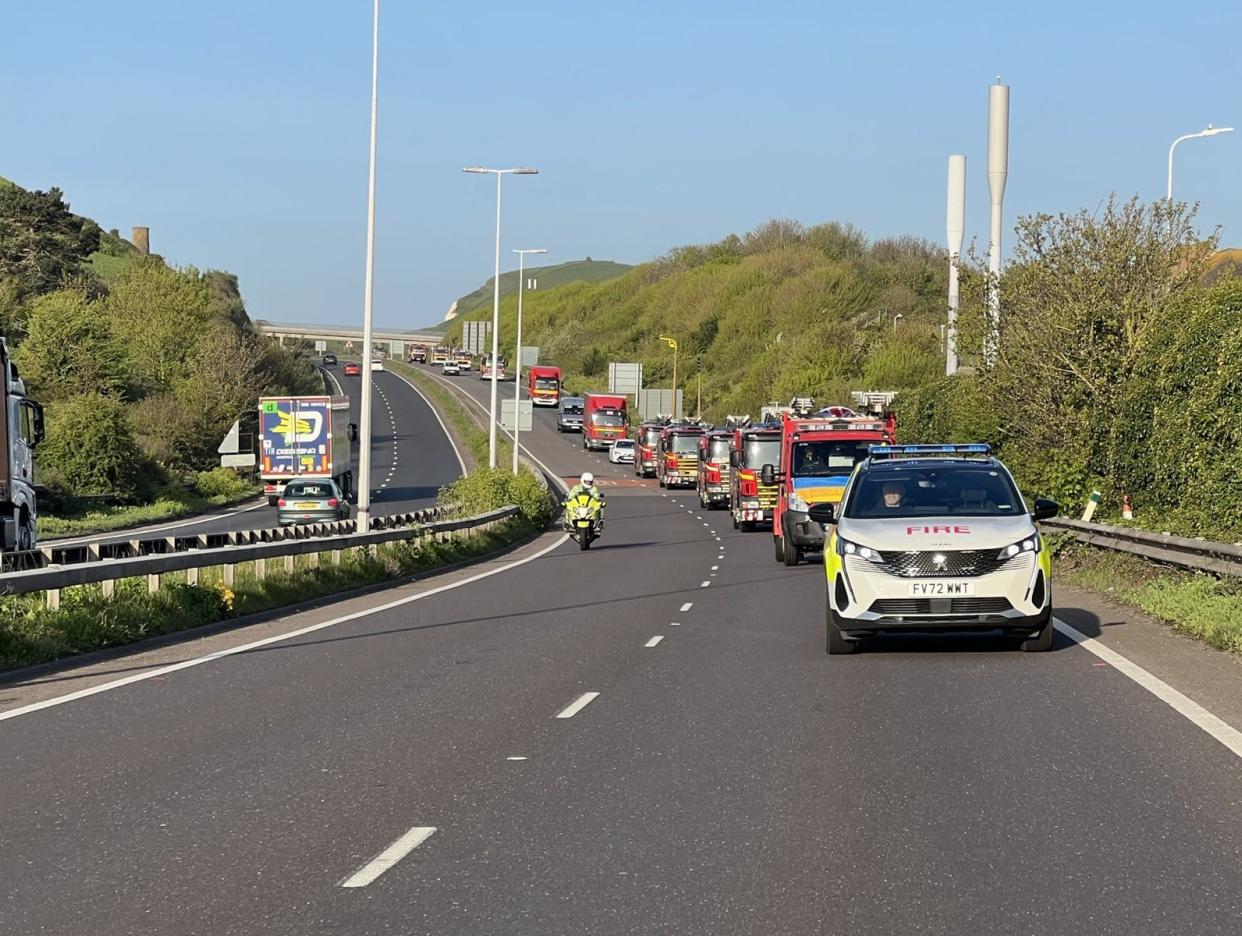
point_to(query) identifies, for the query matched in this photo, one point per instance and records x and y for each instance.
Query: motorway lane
(411, 458)
(731, 778)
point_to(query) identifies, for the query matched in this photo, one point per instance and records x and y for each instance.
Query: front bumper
(802, 531)
(754, 515)
(716, 493)
(544, 401)
(1017, 596)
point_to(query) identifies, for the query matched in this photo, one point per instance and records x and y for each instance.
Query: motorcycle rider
(586, 485)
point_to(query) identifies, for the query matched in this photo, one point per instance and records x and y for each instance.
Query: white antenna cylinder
(998, 173)
(956, 229)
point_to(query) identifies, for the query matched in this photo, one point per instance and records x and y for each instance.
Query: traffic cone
(1127, 512)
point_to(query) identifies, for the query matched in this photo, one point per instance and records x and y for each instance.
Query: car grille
(902, 606)
(960, 563)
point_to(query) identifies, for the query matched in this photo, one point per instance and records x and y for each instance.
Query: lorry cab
(417, 354)
(647, 449)
(22, 420)
(678, 464)
(752, 501)
(605, 417)
(715, 472)
(817, 458)
(543, 385)
(439, 355)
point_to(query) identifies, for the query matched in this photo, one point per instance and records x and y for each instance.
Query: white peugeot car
(935, 538)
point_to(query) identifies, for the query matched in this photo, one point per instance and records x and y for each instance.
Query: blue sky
(237, 129)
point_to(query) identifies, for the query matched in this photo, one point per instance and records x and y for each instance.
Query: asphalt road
(727, 778)
(411, 458)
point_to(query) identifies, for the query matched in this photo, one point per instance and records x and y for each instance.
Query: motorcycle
(583, 519)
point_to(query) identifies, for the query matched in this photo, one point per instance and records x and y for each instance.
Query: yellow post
(672, 343)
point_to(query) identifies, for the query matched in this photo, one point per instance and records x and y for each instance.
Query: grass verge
(170, 506)
(1193, 603)
(86, 620)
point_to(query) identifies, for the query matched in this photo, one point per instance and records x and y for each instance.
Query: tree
(41, 241)
(89, 448)
(69, 349)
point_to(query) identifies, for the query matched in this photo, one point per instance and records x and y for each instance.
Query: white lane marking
(705, 524)
(1189, 709)
(674, 623)
(687, 606)
(514, 757)
(577, 705)
(309, 629)
(389, 857)
(705, 584)
(447, 434)
(714, 568)
(653, 641)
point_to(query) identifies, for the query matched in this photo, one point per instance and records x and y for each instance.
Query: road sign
(653, 403)
(396, 348)
(321, 345)
(237, 460)
(229, 445)
(525, 411)
(474, 336)
(530, 355)
(349, 345)
(625, 378)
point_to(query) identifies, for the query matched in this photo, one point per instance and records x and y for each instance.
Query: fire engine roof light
(978, 449)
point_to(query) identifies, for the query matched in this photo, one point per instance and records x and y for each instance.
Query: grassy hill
(1224, 263)
(784, 310)
(560, 274)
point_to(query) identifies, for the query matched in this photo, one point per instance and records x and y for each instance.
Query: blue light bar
(928, 451)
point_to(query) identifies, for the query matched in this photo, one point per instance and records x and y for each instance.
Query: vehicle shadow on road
(976, 641)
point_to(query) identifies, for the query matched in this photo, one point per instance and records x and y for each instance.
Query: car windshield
(760, 452)
(623, 444)
(572, 409)
(607, 419)
(684, 444)
(309, 489)
(546, 383)
(934, 491)
(827, 457)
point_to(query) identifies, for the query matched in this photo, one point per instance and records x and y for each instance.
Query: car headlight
(1029, 544)
(846, 548)
(795, 502)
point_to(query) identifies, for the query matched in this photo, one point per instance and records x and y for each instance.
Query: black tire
(780, 549)
(837, 643)
(792, 555)
(1042, 641)
(271, 500)
(25, 535)
(584, 540)
(747, 527)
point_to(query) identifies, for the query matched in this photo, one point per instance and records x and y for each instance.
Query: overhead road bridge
(342, 332)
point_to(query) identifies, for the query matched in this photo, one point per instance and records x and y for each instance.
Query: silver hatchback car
(311, 501)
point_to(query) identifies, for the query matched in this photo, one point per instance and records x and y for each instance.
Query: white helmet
(587, 479)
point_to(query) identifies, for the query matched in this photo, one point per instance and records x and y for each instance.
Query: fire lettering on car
(913, 530)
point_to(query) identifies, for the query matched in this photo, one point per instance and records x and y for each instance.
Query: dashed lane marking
(577, 705)
(653, 641)
(687, 606)
(705, 584)
(389, 856)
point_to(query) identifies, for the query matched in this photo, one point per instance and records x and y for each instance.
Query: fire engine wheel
(837, 643)
(780, 549)
(792, 555)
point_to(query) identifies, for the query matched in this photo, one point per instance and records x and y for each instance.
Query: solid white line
(653, 641)
(389, 857)
(448, 435)
(1189, 709)
(243, 648)
(687, 606)
(577, 705)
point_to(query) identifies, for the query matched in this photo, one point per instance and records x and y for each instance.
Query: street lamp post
(672, 343)
(364, 443)
(500, 174)
(517, 367)
(1206, 132)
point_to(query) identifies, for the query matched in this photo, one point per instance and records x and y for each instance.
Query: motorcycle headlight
(795, 502)
(1029, 544)
(846, 548)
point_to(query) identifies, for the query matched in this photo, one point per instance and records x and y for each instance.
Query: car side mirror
(352, 432)
(1045, 509)
(767, 474)
(824, 513)
(733, 459)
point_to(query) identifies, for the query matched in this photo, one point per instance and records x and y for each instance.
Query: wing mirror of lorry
(767, 474)
(732, 459)
(36, 422)
(824, 513)
(352, 432)
(1045, 509)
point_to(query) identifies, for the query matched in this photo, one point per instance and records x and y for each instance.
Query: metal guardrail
(54, 554)
(1185, 552)
(311, 539)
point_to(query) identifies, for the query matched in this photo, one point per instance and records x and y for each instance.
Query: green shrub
(89, 448)
(493, 488)
(221, 482)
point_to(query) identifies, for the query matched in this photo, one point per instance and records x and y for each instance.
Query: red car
(353, 369)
